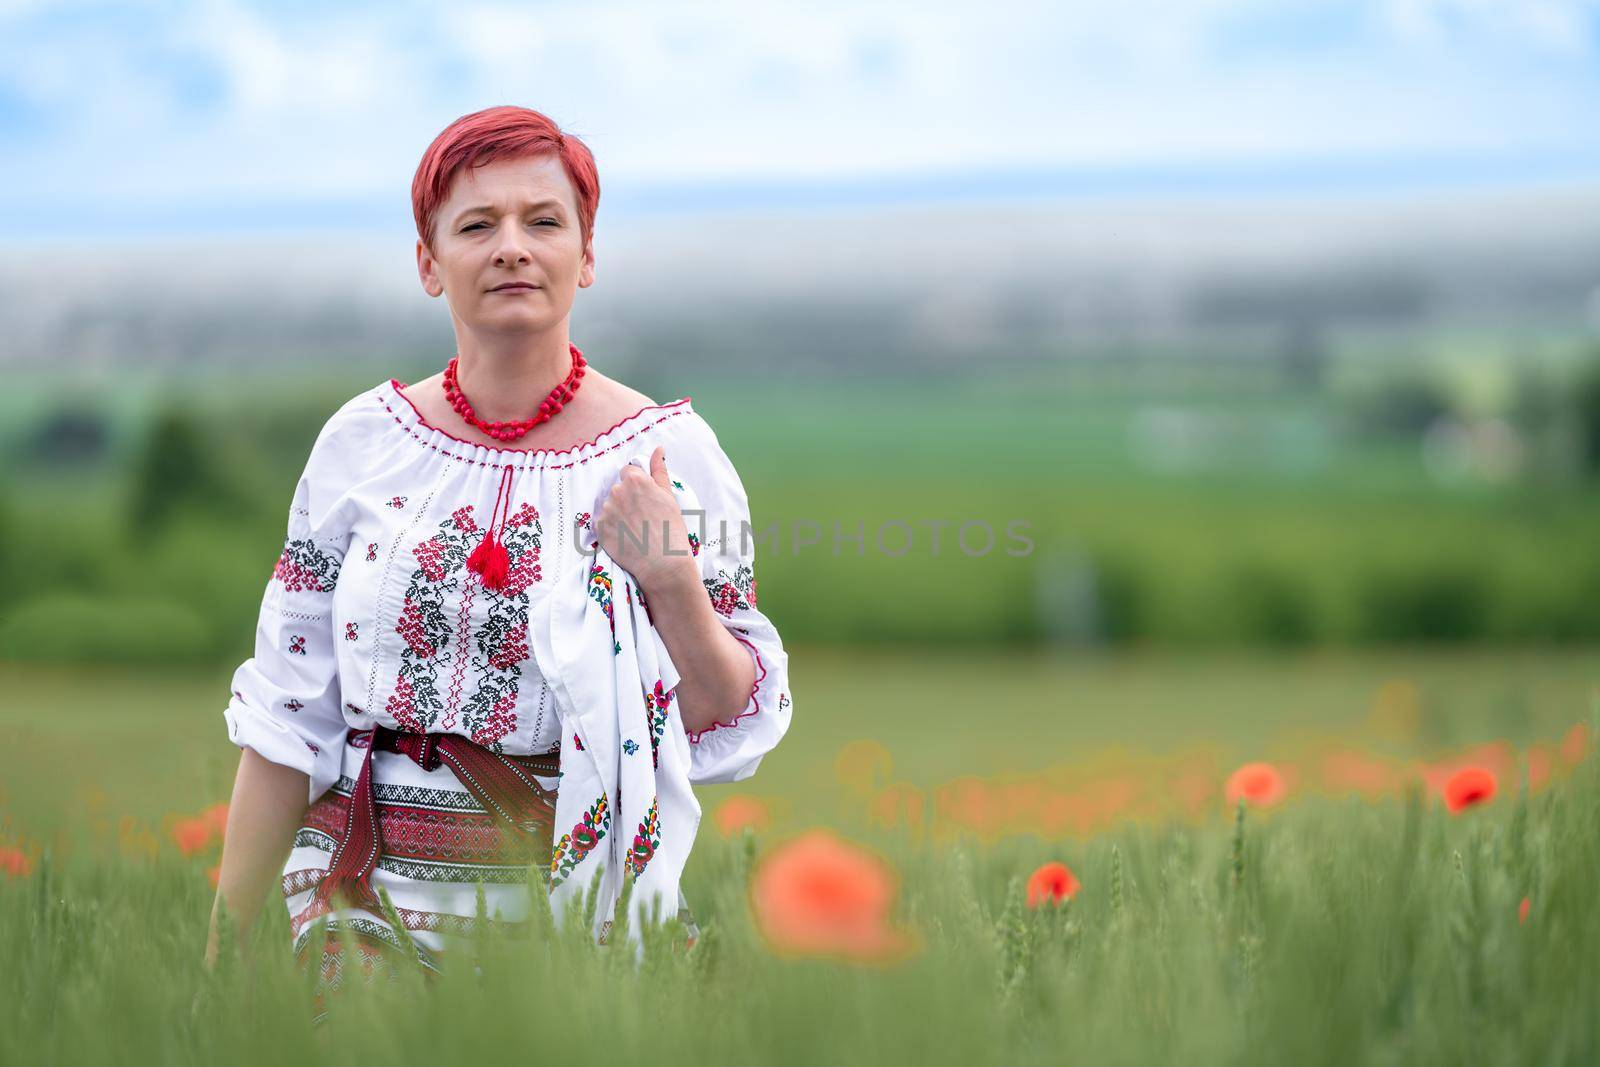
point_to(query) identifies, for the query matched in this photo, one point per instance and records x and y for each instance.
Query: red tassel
(489, 559)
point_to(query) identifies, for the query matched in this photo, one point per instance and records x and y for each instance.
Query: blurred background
(1275, 325)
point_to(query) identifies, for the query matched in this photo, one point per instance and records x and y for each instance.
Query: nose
(511, 249)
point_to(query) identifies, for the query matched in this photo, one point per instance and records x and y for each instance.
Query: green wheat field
(1335, 926)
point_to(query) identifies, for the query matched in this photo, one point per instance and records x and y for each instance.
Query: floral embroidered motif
(499, 723)
(352, 709)
(372, 551)
(350, 632)
(731, 594)
(451, 674)
(694, 544)
(573, 847)
(630, 746)
(513, 650)
(783, 701)
(315, 751)
(293, 704)
(655, 713)
(397, 502)
(303, 567)
(297, 644)
(402, 707)
(646, 839)
(584, 520)
(600, 593)
(577, 742)
(645, 604)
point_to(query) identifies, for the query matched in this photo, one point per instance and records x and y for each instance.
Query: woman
(515, 575)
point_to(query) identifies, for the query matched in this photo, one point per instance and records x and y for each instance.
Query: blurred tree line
(163, 555)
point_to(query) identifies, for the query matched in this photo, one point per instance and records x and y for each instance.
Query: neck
(507, 378)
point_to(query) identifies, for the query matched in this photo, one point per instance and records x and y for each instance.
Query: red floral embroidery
(574, 846)
(501, 721)
(655, 713)
(730, 594)
(430, 557)
(512, 650)
(302, 567)
(460, 667)
(645, 840)
(412, 629)
(402, 707)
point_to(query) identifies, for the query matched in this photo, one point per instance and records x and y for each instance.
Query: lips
(514, 287)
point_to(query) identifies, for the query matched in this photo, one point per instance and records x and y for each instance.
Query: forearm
(268, 803)
(716, 672)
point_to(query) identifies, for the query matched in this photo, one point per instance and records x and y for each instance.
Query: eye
(474, 226)
(552, 222)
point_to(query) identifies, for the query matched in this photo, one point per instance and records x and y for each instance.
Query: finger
(658, 467)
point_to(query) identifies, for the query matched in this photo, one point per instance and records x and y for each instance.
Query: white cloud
(342, 103)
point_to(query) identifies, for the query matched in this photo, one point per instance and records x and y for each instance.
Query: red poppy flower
(971, 802)
(1523, 909)
(1260, 783)
(191, 835)
(1575, 743)
(642, 849)
(821, 895)
(741, 811)
(1540, 762)
(1468, 786)
(898, 803)
(583, 837)
(14, 861)
(216, 817)
(1052, 882)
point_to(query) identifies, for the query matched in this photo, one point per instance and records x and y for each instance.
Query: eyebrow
(547, 203)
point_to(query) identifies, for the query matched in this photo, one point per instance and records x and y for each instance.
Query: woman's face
(510, 221)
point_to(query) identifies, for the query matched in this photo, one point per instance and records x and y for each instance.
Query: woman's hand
(640, 526)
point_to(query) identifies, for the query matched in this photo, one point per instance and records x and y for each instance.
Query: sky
(226, 117)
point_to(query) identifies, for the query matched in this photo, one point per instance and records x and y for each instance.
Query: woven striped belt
(504, 785)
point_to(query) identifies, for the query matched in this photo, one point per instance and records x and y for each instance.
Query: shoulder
(348, 433)
(695, 456)
(611, 403)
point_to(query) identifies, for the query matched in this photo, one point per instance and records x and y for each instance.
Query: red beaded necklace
(490, 560)
(513, 429)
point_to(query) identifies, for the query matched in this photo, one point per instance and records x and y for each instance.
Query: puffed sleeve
(724, 542)
(286, 702)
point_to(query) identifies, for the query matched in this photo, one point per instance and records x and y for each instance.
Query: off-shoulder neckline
(410, 419)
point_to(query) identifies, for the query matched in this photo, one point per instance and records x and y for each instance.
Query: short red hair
(492, 135)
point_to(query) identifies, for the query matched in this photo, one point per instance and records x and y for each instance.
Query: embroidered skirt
(437, 843)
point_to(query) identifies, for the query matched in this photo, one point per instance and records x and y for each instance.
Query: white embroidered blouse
(371, 616)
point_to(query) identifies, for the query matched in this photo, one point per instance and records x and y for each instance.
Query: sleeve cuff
(272, 740)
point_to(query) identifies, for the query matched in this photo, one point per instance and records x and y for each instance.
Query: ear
(586, 269)
(428, 270)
